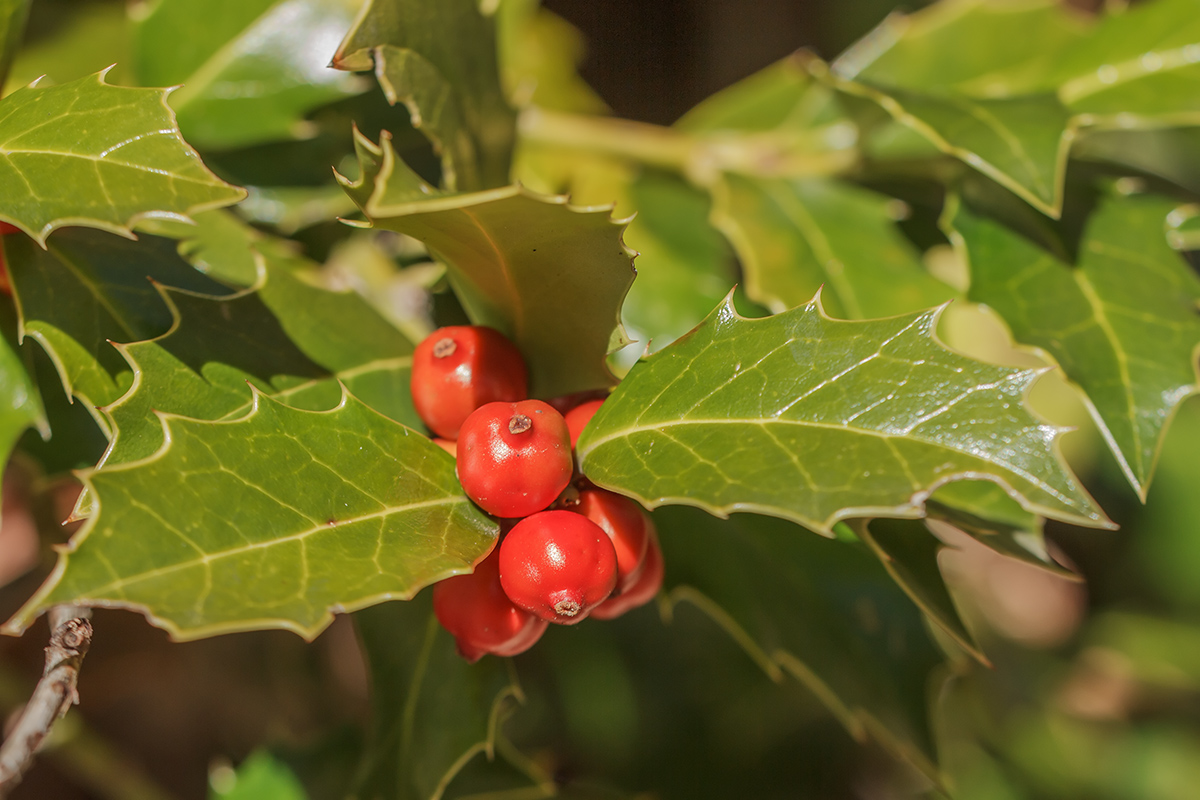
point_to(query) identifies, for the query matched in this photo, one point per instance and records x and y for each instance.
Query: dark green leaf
(815, 420)
(549, 275)
(20, 405)
(1170, 153)
(275, 520)
(795, 237)
(1122, 322)
(432, 711)
(250, 69)
(89, 288)
(822, 612)
(261, 777)
(87, 153)
(909, 552)
(438, 57)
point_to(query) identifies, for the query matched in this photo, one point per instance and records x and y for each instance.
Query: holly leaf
(815, 420)
(250, 71)
(1121, 322)
(795, 236)
(684, 266)
(20, 403)
(1020, 142)
(293, 342)
(438, 58)
(909, 553)
(548, 275)
(433, 713)
(89, 287)
(819, 611)
(275, 520)
(87, 153)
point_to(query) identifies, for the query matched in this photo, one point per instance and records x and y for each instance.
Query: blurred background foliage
(1095, 685)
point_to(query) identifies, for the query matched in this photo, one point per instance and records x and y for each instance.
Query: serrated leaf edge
(33, 607)
(915, 507)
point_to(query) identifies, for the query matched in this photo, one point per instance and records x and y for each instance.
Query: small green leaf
(250, 71)
(262, 777)
(1020, 142)
(822, 612)
(909, 552)
(1121, 322)
(89, 288)
(13, 14)
(87, 153)
(275, 520)
(815, 420)
(432, 711)
(795, 236)
(548, 275)
(438, 57)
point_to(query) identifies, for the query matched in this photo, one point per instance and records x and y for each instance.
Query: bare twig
(70, 637)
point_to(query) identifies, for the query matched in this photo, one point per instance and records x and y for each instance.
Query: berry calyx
(579, 416)
(623, 521)
(643, 590)
(514, 458)
(476, 611)
(460, 368)
(558, 565)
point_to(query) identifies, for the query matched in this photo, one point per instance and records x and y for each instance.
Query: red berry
(643, 591)
(623, 521)
(558, 565)
(477, 612)
(457, 369)
(7, 228)
(514, 458)
(579, 416)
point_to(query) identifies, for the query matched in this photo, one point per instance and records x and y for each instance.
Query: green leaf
(684, 267)
(540, 54)
(432, 711)
(815, 420)
(1170, 153)
(262, 777)
(909, 552)
(1020, 142)
(438, 57)
(1121, 322)
(13, 14)
(89, 288)
(20, 403)
(822, 612)
(548, 275)
(795, 236)
(87, 153)
(250, 70)
(275, 520)
(88, 39)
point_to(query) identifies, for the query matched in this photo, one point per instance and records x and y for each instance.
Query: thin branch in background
(70, 637)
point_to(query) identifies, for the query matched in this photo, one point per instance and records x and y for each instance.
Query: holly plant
(236, 262)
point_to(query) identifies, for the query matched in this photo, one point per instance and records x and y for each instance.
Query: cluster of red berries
(568, 549)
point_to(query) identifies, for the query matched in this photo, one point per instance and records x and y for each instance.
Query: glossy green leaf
(821, 612)
(89, 288)
(251, 69)
(549, 275)
(684, 267)
(1020, 142)
(909, 552)
(815, 420)
(1121, 322)
(261, 777)
(87, 153)
(795, 237)
(291, 341)
(275, 520)
(13, 14)
(438, 58)
(432, 711)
